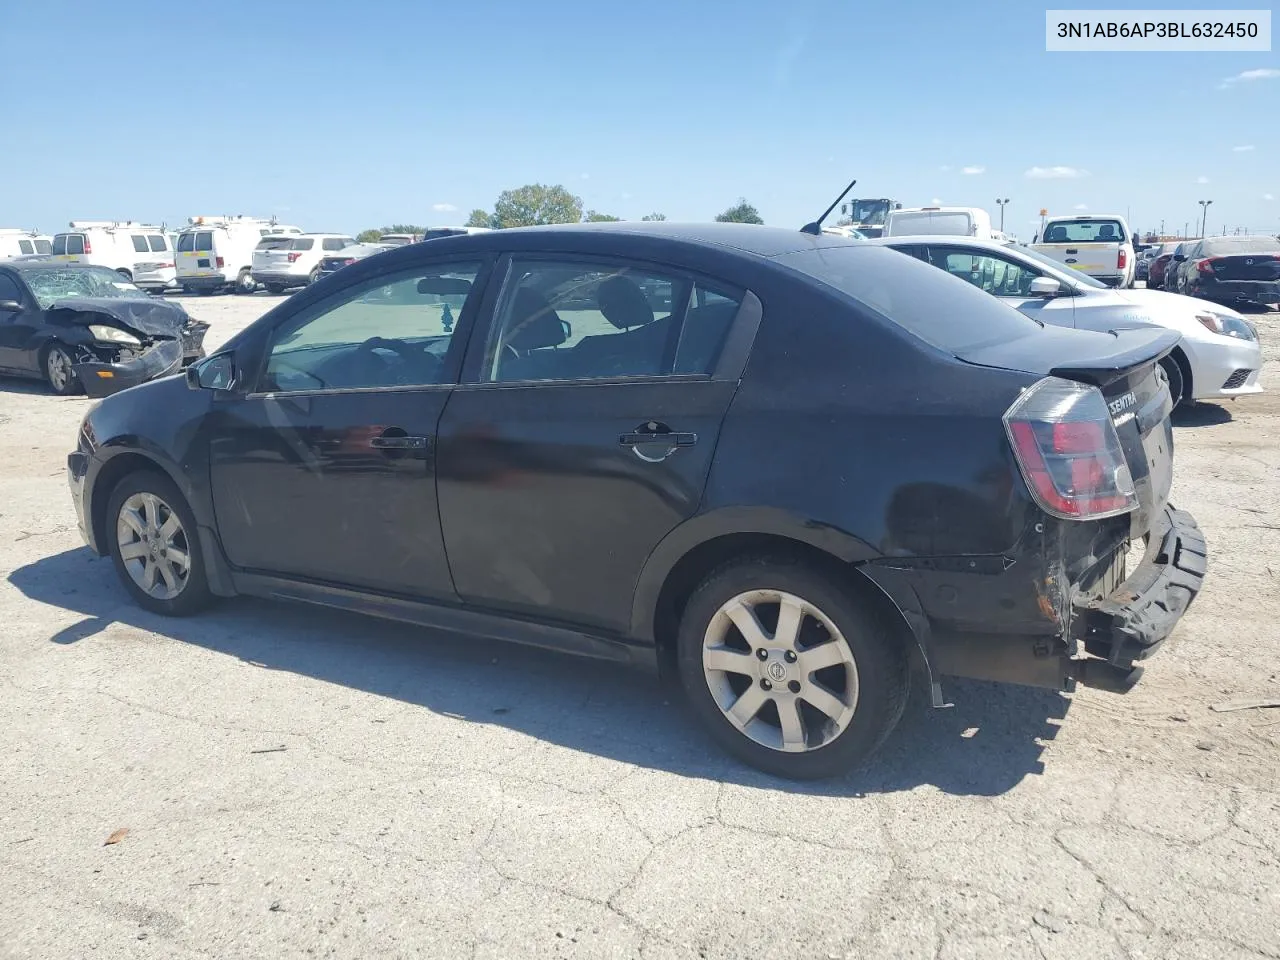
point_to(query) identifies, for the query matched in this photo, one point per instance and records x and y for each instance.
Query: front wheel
(59, 371)
(155, 546)
(788, 670)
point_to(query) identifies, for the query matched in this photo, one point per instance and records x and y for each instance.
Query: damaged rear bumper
(103, 379)
(1131, 623)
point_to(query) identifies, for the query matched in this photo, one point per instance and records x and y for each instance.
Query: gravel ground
(297, 783)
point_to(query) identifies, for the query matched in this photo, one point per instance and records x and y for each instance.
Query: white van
(1100, 245)
(940, 221)
(216, 253)
(15, 242)
(121, 245)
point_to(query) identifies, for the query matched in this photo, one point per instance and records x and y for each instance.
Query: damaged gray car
(85, 328)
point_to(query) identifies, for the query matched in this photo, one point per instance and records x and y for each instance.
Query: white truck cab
(16, 242)
(127, 247)
(939, 221)
(216, 253)
(1100, 245)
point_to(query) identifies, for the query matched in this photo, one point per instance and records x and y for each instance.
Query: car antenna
(815, 228)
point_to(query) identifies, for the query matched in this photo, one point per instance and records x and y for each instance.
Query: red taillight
(1205, 266)
(88, 247)
(293, 257)
(1068, 451)
(165, 266)
(349, 261)
(1122, 258)
(219, 262)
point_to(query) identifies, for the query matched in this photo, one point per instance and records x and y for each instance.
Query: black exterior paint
(825, 427)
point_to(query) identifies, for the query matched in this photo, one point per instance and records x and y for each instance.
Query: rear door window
(157, 242)
(75, 243)
(333, 243)
(204, 241)
(186, 242)
(139, 243)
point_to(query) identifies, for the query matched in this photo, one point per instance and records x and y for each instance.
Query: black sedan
(792, 468)
(82, 327)
(1234, 270)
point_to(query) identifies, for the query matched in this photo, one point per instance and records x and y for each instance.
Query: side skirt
(462, 620)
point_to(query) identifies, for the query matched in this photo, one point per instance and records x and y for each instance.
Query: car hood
(1163, 300)
(153, 318)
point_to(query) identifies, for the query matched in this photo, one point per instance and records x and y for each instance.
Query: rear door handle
(665, 439)
(399, 443)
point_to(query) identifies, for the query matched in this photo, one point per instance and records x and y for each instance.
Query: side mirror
(10, 306)
(568, 329)
(1178, 257)
(212, 373)
(1045, 287)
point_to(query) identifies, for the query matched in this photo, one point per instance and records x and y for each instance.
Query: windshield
(1084, 231)
(1234, 246)
(938, 308)
(53, 284)
(919, 223)
(869, 212)
(1060, 272)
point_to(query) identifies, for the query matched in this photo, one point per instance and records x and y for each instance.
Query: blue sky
(340, 116)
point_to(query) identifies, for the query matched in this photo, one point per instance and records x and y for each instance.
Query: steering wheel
(408, 353)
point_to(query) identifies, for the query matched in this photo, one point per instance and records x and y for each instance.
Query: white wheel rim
(153, 546)
(59, 369)
(792, 687)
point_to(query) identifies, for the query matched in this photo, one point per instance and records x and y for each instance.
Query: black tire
(883, 670)
(1177, 383)
(206, 291)
(275, 288)
(245, 284)
(195, 595)
(313, 276)
(56, 363)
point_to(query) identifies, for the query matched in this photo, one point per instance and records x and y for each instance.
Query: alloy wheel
(153, 546)
(780, 670)
(58, 366)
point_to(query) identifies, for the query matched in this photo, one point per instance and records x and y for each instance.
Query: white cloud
(1081, 206)
(936, 202)
(945, 168)
(1056, 173)
(971, 171)
(1248, 76)
(1244, 149)
(1267, 196)
(443, 207)
(1202, 179)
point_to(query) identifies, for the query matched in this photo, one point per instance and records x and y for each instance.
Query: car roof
(951, 239)
(745, 238)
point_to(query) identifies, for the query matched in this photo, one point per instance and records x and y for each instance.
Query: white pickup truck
(1098, 245)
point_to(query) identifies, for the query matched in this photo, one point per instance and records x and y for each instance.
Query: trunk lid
(1245, 266)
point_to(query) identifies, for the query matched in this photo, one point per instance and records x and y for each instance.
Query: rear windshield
(1084, 231)
(75, 243)
(929, 223)
(273, 243)
(157, 242)
(940, 309)
(186, 241)
(1231, 246)
(302, 243)
(204, 241)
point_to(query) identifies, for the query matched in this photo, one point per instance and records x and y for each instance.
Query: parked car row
(1229, 270)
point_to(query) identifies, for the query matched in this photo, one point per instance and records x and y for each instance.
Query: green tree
(479, 218)
(740, 212)
(535, 204)
(654, 216)
(368, 236)
(596, 217)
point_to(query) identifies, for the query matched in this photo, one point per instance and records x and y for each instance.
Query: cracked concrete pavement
(299, 783)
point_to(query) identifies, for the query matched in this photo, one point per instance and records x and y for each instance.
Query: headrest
(537, 324)
(623, 304)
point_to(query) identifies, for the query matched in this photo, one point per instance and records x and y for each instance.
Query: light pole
(1002, 203)
(1204, 221)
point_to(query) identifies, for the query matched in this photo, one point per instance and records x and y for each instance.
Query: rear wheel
(59, 372)
(787, 670)
(154, 545)
(314, 275)
(275, 288)
(245, 284)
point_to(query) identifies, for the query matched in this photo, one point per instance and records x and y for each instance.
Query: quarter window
(386, 332)
(158, 244)
(43, 246)
(333, 243)
(580, 321)
(24, 246)
(139, 243)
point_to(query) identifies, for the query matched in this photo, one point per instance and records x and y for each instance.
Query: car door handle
(665, 439)
(399, 443)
